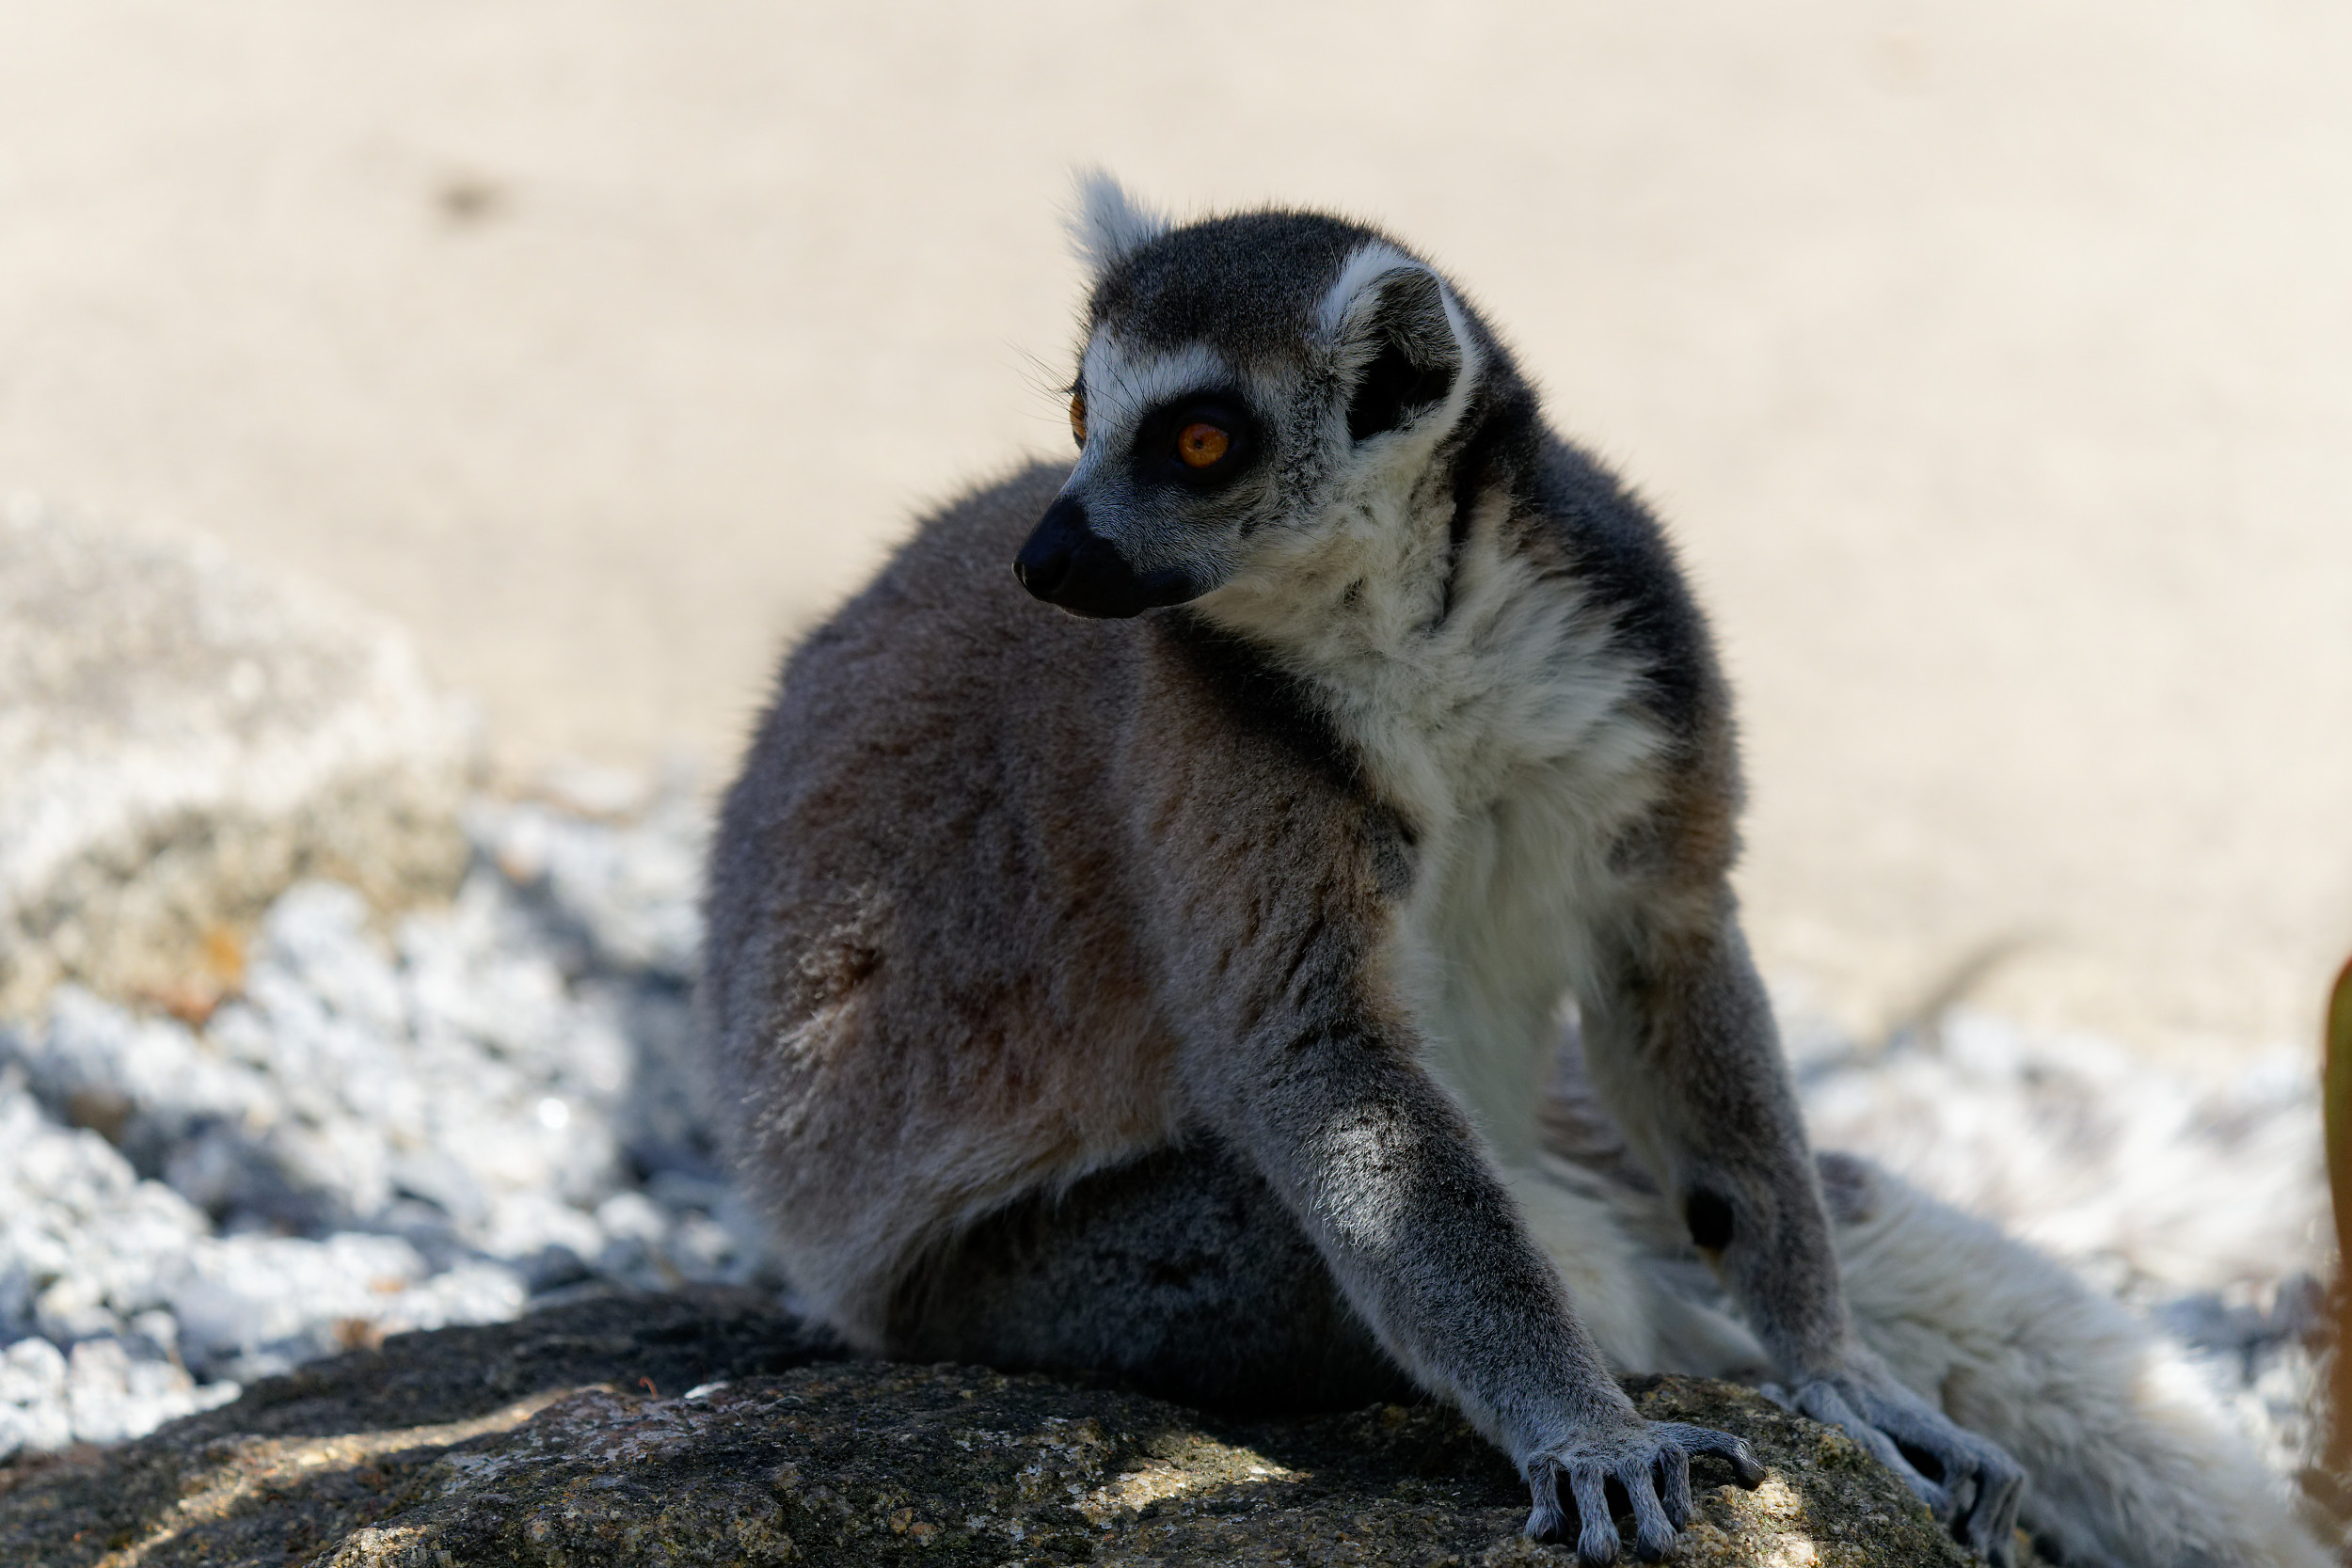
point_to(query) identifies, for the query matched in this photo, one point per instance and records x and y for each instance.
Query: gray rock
(33, 1410)
(708, 1428)
(107, 1390)
(85, 1243)
(250, 1306)
(181, 738)
(629, 891)
(118, 1388)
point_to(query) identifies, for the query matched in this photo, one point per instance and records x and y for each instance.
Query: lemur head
(1253, 390)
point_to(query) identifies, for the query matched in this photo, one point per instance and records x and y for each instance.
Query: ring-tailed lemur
(1166, 988)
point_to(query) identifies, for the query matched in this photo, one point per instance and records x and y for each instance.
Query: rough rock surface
(706, 1428)
(180, 738)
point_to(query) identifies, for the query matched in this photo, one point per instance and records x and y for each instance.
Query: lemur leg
(1179, 1273)
(1683, 1050)
(2132, 1465)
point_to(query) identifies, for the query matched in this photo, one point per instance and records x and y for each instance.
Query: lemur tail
(2132, 1463)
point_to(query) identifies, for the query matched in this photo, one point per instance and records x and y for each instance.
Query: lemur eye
(1078, 417)
(1201, 443)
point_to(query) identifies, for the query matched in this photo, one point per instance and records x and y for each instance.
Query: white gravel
(387, 1129)
(490, 1104)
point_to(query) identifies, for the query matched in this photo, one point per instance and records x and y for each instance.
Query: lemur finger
(1991, 1524)
(1547, 1520)
(1673, 1468)
(1596, 1533)
(1745, 1467)
(1653, 1529)
(1978, 1533)
(1999, 1551)
(1982, 1486)
(1985, 1483)
(1963, 1459)
(1826, 1405)
(1960, 1484)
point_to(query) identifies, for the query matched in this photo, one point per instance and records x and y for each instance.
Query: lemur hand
(1651, 1460)
(1976, 1487)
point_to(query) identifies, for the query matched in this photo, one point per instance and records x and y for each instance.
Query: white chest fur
(1499, 720)
(1502, 935)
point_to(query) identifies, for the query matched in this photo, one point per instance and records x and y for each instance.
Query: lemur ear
(1107, 224)
(1395, 337)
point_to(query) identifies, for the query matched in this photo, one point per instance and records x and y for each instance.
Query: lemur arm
(1326, 1098)
(1681, 1045)
(1272, 925)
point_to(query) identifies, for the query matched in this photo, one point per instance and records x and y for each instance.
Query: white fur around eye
(1122, 385)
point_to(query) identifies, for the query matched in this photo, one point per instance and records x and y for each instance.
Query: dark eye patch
(1157, 459)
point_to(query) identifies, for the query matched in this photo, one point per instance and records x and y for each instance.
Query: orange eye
(1078, 417)
(1202, 444)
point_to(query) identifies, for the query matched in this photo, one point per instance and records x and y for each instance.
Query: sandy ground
(1994, 364)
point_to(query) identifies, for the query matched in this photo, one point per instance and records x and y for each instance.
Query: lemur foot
(1976, 1488)
(1651, 1461)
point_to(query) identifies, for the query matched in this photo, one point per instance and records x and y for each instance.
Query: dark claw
(1723, 1446)
(1985, 1482)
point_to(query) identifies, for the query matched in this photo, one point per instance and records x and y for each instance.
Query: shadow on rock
(707, 1427)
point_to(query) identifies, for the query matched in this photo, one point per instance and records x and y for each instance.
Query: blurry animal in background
(1166, 986)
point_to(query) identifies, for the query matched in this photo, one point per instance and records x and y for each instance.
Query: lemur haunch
(1163, 982)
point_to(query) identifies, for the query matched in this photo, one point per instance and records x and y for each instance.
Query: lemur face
(1250, 390)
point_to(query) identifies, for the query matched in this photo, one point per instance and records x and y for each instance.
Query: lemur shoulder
(1160, 979)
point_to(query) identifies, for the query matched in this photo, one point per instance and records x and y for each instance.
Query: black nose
(1067, 564)
(1043, 564)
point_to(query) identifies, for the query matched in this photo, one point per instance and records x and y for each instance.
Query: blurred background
(1992, 365)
